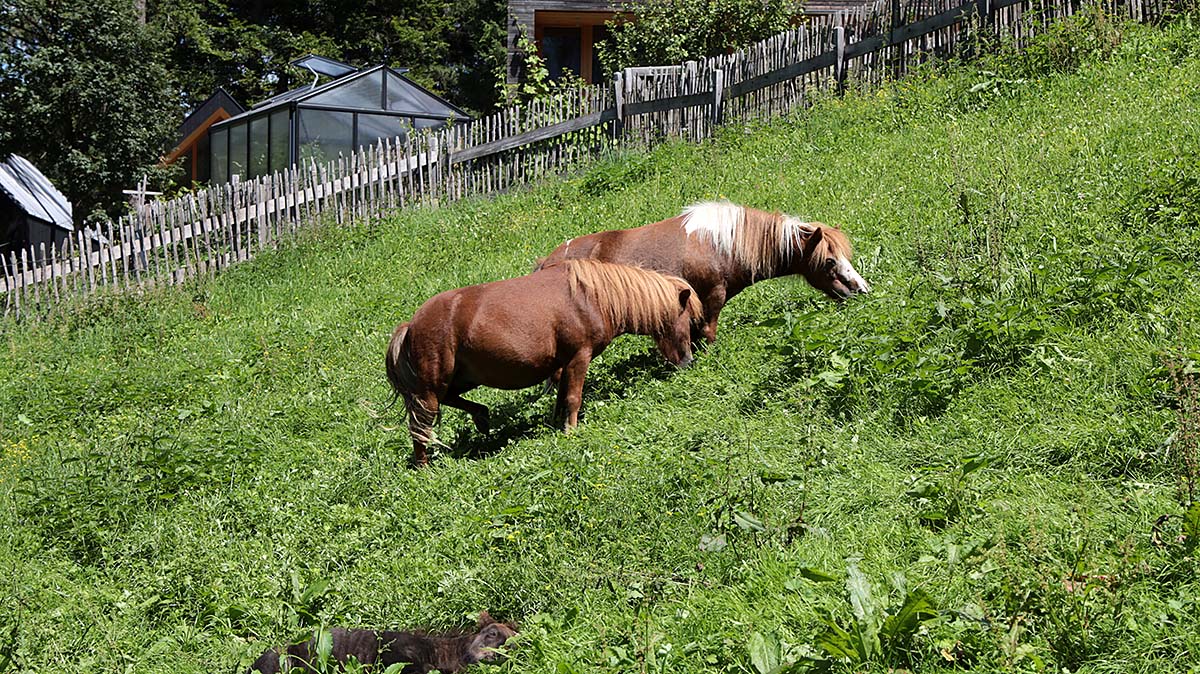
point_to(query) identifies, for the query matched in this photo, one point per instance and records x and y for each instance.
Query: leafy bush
(666, 32)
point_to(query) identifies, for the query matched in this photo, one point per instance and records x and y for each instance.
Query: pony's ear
(813, 239)
(685, 294)
(484, 619)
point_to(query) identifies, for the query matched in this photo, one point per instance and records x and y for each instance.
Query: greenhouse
(320, 122)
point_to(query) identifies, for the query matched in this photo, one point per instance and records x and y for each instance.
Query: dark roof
(220, 99)
(34, 193)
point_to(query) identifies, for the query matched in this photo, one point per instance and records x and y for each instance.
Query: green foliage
(85, 96)
(666, 32)
(450, 47)
(945, 499)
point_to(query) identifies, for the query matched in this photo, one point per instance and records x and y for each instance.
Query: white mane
(762, 245)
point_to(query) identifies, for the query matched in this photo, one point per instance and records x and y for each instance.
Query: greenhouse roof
(377, 88)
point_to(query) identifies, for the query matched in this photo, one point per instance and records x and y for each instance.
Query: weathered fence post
(619, 91)
(718, 95)
(840, 66)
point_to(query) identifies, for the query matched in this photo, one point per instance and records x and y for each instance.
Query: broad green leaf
(764, 652)
(747, 522)
(816, 576)
(916, 610)
(974, 463)
(838, 642)
(712, 543)
(772, 477)
(324, 645)
(314, 590)
(866, 611)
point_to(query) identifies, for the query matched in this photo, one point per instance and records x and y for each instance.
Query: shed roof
(34, 192)
(220, 100)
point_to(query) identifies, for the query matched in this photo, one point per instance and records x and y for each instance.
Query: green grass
(190, 475)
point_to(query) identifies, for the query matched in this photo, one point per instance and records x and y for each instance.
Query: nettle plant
(913, 350)
(944, 497)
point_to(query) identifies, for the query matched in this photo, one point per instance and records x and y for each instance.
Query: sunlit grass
(178, 468)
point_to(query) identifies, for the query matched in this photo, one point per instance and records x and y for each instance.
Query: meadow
(986, 464)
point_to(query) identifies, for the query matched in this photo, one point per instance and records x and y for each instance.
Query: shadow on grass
(526, 413)
(522, 416)
(616, 377)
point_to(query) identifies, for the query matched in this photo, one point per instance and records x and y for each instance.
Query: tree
(84, 95)
(245, 45)
(667, 32)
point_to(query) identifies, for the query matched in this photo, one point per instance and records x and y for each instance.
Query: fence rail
(169, 241)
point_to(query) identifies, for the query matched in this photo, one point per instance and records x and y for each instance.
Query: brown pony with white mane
(517, 333)
(721, 248)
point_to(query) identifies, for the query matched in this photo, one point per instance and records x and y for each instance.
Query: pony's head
(825, 263)
(642, 302)
(675, 342)
(486, 644)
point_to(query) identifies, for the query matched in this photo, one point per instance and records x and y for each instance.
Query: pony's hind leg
(570, 390)
(422, 415)
(478, 412)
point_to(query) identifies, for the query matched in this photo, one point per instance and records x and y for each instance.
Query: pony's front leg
(712, 311)
(570, 389)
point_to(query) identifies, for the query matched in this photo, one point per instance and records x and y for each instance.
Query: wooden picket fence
(196, 234)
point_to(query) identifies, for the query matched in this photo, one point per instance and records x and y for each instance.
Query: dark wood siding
(521, 15)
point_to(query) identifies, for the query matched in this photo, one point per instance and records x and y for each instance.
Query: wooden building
(192, 150)
(566, 32)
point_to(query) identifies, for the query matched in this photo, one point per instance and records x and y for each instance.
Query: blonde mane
(633, 299)
(761, 242)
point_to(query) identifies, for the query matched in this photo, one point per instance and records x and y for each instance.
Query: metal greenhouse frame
(321, 122)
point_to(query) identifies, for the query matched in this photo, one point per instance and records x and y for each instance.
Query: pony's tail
(403, 378)
(397, 364)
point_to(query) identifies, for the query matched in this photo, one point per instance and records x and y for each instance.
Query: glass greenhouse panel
(258, 147)
(402, 96)
(363, 92)
(373, 128)
(324, 135)
(238, 150)
(429, 123)
(219, 165)
(281, 134)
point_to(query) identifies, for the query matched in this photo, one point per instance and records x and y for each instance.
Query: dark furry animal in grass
(378, 650)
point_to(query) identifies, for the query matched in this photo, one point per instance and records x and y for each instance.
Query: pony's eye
(830, 264)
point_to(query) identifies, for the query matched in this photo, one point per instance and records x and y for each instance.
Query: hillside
(972, 459)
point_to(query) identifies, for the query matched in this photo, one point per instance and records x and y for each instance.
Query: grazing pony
(419, 652)
(721, 248)
(517, 333)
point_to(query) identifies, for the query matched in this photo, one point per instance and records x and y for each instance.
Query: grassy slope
(177, 469)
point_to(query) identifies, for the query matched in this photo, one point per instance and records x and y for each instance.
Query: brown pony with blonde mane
(722, 248)
(519, 332)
